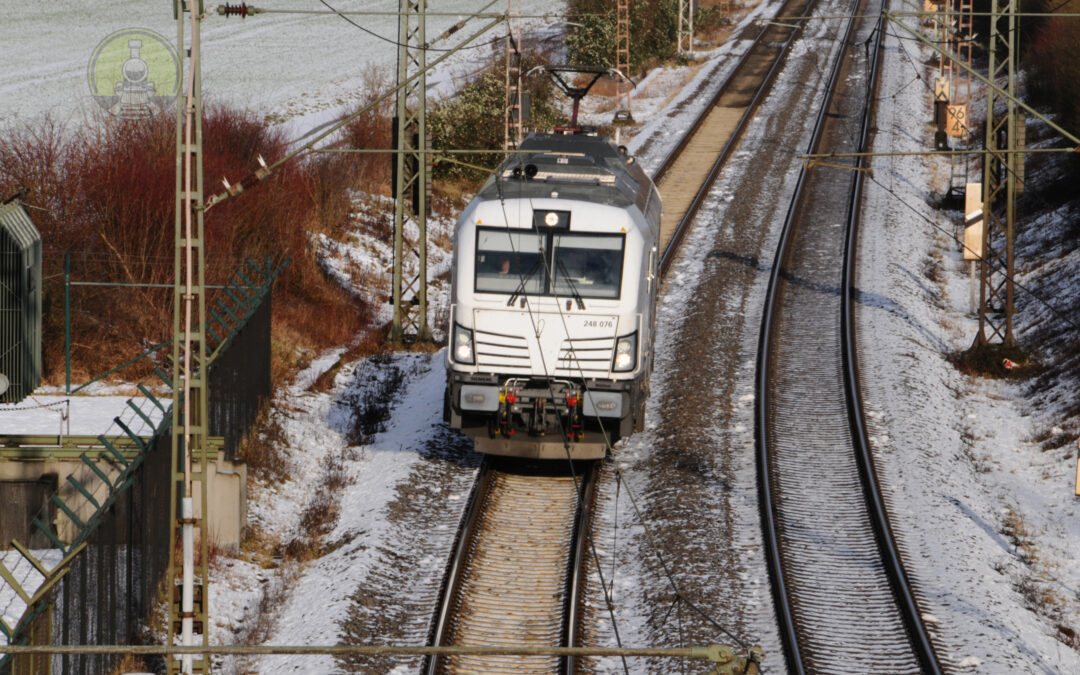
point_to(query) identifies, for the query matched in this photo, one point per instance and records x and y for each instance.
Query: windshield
(588, 265)
(504, 258)
(517, 262)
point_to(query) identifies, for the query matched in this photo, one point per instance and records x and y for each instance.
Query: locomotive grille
(502, 351)
(588, 356)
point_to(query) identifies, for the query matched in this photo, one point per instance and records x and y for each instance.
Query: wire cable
(666, 571)
(1046, 303)
(424, 48)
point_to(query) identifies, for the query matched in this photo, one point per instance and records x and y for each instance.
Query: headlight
(625, 353)
(462, 345)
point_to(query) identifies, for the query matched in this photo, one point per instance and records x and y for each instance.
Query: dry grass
(1020, 536)
(321, 512)
(131, 664)
(258, 630)
(989, 361)
(1068, 636)
(1038, 596)
(261, 447)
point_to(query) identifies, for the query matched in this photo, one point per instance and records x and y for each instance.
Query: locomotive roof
(580, 167)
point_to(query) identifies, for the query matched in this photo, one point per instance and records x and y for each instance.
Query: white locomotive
(553, 301)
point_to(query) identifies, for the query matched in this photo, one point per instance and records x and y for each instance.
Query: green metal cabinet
(20, 303)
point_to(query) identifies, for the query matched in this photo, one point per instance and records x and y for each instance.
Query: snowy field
(280, 65)
(960, 465)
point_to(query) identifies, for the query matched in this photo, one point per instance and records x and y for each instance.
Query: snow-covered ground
(283, 65)
(985, 516)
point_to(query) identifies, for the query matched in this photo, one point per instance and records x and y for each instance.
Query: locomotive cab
(553, 299)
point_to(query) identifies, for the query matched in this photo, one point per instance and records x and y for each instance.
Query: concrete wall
(26, 485)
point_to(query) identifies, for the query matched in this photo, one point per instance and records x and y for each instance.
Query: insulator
(240, 10)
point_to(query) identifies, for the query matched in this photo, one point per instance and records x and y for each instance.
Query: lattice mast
(514, 120)
(1000, 163)
(684, 33)
(622, 62)
(412, 176)
(188, 600)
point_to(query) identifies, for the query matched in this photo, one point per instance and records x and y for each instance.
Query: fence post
(67, 322)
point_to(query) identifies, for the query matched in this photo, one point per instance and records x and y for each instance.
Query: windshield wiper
(573, 288)
(521, 286)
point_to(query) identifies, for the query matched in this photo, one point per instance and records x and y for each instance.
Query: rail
(895, 566)
(570, 568)
(892, 564)
(745, 61)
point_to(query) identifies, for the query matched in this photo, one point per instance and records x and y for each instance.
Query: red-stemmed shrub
(105, 192)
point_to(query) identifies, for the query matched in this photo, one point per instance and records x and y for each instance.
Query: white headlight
(625, 356)
(463, 345)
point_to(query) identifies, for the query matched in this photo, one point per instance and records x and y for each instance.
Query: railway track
(841, 594)
(518, 570)
(689, 171)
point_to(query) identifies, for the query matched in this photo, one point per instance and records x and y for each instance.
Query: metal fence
(113, 576)
(240, 379)
(113, 584)
(20, 303)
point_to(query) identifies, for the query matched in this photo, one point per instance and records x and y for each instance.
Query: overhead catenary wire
(578, 486)
(426, 47)
(621, 478)
(310, 145)
(1037, 297)
(918, 76)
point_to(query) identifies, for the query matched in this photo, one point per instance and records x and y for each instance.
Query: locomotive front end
(554, 284)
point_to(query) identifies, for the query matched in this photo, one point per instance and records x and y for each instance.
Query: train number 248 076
(598, 323)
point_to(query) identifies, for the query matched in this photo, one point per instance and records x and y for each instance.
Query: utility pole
(412, 175)
(622, 64)
(1000, 163)
(188, 600)
(514, 112)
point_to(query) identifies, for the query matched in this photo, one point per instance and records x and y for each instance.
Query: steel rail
(454, 573)
(894, 566)
(579, 562)
(788, 636)
(576, 578)
(890, 557)
(667, 257)
(575, 571)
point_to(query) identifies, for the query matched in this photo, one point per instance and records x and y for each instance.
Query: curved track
(842, 597)
(515, 576)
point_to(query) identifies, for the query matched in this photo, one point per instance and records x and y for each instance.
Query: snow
(78, 415)
(982, 512)
(282, 65)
